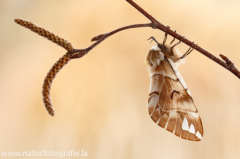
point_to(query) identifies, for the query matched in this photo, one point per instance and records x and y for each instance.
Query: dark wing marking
(175, 112)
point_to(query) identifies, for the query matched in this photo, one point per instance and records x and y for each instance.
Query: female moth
(170, 104)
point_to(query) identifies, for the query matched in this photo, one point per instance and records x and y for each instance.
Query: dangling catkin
(49, 79)
(45, 33)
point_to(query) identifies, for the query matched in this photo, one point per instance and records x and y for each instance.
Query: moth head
(154, 57)
(166, 50)
(169, 52)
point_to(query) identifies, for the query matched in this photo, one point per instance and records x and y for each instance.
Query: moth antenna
(49, 79)
(165, 37)
(173, 38)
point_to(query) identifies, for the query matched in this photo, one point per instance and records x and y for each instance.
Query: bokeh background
(101, 100)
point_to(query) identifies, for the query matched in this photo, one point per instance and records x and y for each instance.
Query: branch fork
(73, 53)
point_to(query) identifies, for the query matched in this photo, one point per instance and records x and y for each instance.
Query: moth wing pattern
(170, 104)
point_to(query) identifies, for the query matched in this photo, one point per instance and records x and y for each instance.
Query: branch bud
(98, 37)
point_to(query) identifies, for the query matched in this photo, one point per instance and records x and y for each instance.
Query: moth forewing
(170, 104)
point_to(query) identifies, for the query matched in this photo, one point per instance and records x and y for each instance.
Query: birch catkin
(49, 79)
(45, 33)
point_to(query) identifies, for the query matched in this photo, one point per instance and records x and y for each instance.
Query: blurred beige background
(101, 100)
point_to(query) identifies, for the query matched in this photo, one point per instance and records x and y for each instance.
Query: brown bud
(98, 37)
(223, 57)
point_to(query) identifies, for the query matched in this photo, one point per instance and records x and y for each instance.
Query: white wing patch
(199, 135)
(179, 76)
(192, 129)
(185, 124)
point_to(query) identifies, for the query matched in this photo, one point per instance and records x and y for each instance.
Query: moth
(170, 104)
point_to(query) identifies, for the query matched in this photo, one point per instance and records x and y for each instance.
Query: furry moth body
(170, 104)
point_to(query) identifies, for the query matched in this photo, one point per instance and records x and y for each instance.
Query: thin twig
(167, 30)
(78, 53)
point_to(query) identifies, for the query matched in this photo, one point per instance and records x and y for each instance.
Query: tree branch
(78, 53)
(167, 30)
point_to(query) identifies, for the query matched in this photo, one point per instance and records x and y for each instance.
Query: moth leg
(173, 39)
(173, 93)
(165, 37)
(188, 51)
(159, 45)
(153, 39)
(176, 44)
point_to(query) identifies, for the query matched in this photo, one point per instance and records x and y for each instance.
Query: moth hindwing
(170, 104)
